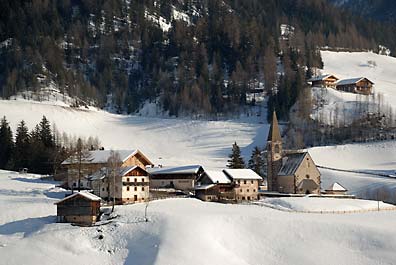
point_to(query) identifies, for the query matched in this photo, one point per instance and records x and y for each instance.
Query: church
(289, 171)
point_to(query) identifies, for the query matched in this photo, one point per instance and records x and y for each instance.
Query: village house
(324, 81)
(336, 189)
(360, 85)
(214, 186)
(80, 207)
(180, 178)
(246, 183)
(289, 172)
(131, 185)
(92, 161)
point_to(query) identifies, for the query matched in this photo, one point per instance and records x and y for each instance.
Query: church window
(307, 176)
(277, 148)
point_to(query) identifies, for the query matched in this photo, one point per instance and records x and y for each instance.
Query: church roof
(291, 163)
(274, 132)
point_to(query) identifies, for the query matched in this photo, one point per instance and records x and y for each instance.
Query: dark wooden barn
(80, 207)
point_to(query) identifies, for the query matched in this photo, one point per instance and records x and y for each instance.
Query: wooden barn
(180, 178)
(324, 81)
(93, 161)
(360, 85)
(80, 208)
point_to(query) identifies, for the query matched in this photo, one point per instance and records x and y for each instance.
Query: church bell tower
(274, 154)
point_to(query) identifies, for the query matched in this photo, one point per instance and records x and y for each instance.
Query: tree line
(257, 161)
(40, 150)
(96, 49)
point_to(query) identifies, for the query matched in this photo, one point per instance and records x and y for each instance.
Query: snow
(85, 194)
(311, 204)
(242, 174)
(190, 169)
(180, 230)
(165, 141)
(102, 156)
(379, 69)
(217, 176)
(336, 187)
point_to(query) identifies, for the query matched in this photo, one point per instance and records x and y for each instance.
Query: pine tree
(236, 160)
(6, 144)
(45, 133)
(256, 162)
(22, 146)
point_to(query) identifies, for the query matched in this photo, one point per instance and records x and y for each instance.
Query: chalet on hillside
(214, 186)
(93, 161)
(180, 178)
(131, 185)
(360, 85)
(324, 81)
(80, 207)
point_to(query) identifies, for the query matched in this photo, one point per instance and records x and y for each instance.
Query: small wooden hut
(80, 208)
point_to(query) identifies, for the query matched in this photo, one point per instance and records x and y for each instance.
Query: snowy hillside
(380, 69)
(179, 231)
(165, 141)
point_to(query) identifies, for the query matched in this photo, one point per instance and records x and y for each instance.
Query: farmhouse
(324, 81)
(92, 161)
(289, 172)
(214, 186)
(131, 185)
(80, 207)
(246, 183)
(181, 178)
(360, 85)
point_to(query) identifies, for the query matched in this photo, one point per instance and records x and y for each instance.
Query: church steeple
(274, 133)
(274, 154)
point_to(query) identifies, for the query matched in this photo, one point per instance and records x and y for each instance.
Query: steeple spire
(274, 133)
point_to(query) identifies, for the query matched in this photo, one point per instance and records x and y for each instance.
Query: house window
(243, 198)
(74, 184)
(135, 188)
(248, 198)
(244, 182)
(247, 190)
(142, 188)
(252, 181)
(142, 179)
(102, 189)
(135, 179)
(127, 179)
(254, 190)
(240, 190)
(128, 188)
(102, 180)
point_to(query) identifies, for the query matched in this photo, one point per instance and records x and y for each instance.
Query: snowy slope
(179, 231)
(380, 69)
(165, 141)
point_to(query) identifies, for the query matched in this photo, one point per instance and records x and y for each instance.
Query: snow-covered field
(312, 204)
(186, 231)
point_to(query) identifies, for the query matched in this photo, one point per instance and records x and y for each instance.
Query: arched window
(277, 148)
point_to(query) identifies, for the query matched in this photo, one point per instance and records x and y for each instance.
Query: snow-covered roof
(191, 169)
(85, 194)
(321, 77)
(336, 187)
(308, 184)
(291, 163)
(101, 173)
(242, 174)
(101, 156)
(351, 81)
(204, 187)
(217, 177)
